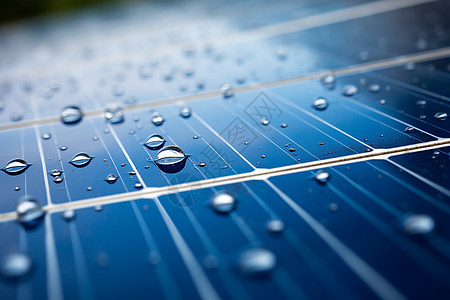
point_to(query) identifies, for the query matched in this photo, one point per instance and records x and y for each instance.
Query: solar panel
(235, 150)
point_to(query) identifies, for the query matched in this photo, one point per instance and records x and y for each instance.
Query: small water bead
(349, 90)
(275, 226)
(71, 115)
(223, 203)
(29, 212)
(16, 265)
(95, 138)
(292, 149)
(320, 103)
(410, 66)
(89, 188)
(58, 179)
(441, 116)
(154, 142)
(374, 88)
(15, 167)
(409, 129)
(195, 137)
(333, 207)
(17, 188)
(131, 132)
(157, 119)
(283, 125)
(171, 159)
(69, 215)
(145, 71)
(63, 148)
(114, 113)
(98, 208)
(46, 136)
(210, 262)
(382, 101)
(81, 160)
(417, 224)
(56, 173)
(226, 90)
(322, 177)
(421, 103)
(138, 185)
(257, 261)
(201, 164)
(328, 80)
(281, 53)
(117, 90)
(265, 121)
(111, 178)
(185, 112)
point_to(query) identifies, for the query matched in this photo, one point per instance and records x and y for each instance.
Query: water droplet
(292, 149)
(29, 212)
(349, 90)
(265, 121)
(418, 224)
(226, 90)
(195, 137)
(56, 173)
(263, 156)
(157, 119)
(275, 226)
(17, 188)
(15, 167)
(111, 178)
(283, 125)
(114, 113)
(98, 208)
(421, 103)
(95, 138)
(81, 160)
(201, 164)
(71, 115)
(138, 185)
(328, 80)
(89, 188)
(257, 261)
(117, 90)
(145, 71)
(410, 66)
(171, 159)
(131, 132)
(15, 117)
(333, 207)
(320, 103)
(281, 53)
(63, 148)
(322, 177)
(58, 179)
(374, 88)
(46, 136)
(68, 215)
(441, 116)
(185, 112)
(16, 265)
(409, 129)
(382, 101)
(154, 142)
(223, 203)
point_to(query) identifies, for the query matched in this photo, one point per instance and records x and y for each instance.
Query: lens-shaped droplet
(145, 71)
(418, 224)
(111, 178)
(71, 115)
(171, 159)
(223, 203)
(275, 226)
(58, 179)
(185, 112)
(441, 116)
(56, 173)
(265, 121)
(46, 136)
(320, 103)
(16, 265)
(226, 90)
(29, 212)
(349, 90)
(322, 177)
(374, 88)
(138, 185)
(157, 119)
(328, 80)
(421, 103)
(154, 142)
(257, 261)
(68, 215)
(81, 160)
(15, 167)
(114, 113)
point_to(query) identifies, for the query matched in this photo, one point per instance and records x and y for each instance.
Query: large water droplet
(171, 159)
(29, 212)
(322, 177)
(349, 90)
(185, 112)
(226, 90)
(114, 113)
(81, 160)
(265, 121)
(16, 265)
(441, 116)
(111, 178)
(223, 203)
(15, 167)
(71, 115)
(418, 224)
(154, 142)
(257, 261)
(157, 119)
(320, 103)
